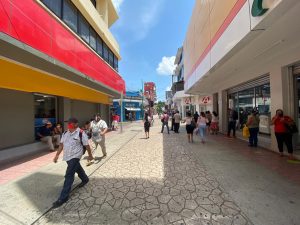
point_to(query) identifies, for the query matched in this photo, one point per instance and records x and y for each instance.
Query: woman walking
(253, 125)
(280, 122)
(202, 122)
(214, 126)
(147, 125)
(190, 126)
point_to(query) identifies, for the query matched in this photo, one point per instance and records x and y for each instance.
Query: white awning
(133, 109)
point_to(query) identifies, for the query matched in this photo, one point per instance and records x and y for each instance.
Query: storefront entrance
(44, 110)
(296, 72)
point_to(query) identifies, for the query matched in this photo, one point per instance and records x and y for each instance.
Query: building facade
(58, 59)
(150, 91)
(186, 102)
(245, 54)
(131, 104)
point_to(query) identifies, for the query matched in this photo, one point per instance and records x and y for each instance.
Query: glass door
(297, 108)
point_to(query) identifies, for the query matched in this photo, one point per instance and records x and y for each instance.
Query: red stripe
(234, 11)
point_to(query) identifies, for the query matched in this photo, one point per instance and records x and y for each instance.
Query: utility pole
(121, 105)
(142, 108)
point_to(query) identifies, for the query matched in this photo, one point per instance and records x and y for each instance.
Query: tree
(160, 107)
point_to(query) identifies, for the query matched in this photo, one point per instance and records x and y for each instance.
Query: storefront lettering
(258, 8)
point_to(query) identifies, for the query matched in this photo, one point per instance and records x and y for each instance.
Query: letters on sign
(258, 9)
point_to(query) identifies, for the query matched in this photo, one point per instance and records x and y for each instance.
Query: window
(83, 29)
(93, 2)
(100, 46)
(54, 6)
(116, 63)
(93, 37)
(105, 52)
(70, 14)
(111, 58)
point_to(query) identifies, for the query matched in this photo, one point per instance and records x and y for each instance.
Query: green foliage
(159, 107)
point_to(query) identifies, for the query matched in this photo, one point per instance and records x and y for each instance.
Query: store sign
(187, 101)
(258, 8)
(205, 100)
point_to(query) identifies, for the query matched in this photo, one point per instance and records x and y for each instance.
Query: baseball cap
(72, 120)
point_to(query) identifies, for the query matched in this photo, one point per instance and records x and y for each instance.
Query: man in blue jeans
(72, 143)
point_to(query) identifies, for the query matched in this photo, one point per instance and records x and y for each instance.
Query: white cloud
(166, 66)
(117, 4)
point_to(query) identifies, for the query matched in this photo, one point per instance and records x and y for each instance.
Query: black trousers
(286, 138)
(173, 124)
(176, 127)
(231, 126)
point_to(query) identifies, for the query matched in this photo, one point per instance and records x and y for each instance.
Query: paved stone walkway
(150, 181)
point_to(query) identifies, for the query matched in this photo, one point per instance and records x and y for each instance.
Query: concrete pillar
(223, 111)
(276, 86)
(67, 110)
(102, 8)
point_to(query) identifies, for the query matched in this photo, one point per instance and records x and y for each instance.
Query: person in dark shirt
(46, 135)
(196, 116)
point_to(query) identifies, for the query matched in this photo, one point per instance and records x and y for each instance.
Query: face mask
(71, 126)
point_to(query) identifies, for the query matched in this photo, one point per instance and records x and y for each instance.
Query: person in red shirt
(165, 122)
(280, 122)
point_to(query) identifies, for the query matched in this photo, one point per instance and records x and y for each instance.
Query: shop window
(263, 99)
(54, 6)
(100, 46)
(246, 103)
(70, 15)
(44, 110)
(93, 37)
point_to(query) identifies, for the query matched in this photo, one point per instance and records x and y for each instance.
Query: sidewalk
(29, 188)
(164, 180)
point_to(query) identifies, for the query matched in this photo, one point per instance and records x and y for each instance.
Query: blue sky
(149, 34)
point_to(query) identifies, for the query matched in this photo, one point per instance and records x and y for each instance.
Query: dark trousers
(284, 138)
(173, 124)
(231, 126)
(163, 126)
(176, 127)
(73, 167)
(253, 136)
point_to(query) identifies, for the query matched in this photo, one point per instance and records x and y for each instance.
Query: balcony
(177, 86)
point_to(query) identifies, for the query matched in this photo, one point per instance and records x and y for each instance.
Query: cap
(72, 120)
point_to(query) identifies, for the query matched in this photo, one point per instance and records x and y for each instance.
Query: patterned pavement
(150, 181)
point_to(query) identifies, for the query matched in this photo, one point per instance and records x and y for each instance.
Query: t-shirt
(97, 128)
(166, 118)
(72, 144)
(177, 118)
(45, 131)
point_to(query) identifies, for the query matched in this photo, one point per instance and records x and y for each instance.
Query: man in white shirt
(177, 119)
(72, 143)
(98, 131)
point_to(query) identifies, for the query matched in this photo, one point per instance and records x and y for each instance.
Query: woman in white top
(214, 127)
(201, 124)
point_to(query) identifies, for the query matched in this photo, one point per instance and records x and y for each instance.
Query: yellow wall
(18, 77)
(207, 17)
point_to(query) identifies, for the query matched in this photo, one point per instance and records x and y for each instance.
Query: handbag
(246, 132)
(291, 127)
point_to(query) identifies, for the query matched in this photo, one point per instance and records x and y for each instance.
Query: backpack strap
(80, 136)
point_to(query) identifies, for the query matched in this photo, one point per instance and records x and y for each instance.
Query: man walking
(72, 143)
(232, 118)
(98, 131)
(165, 122)
(177, 119)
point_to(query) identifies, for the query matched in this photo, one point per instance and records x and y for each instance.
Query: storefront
(246, 60)
(251, 95)
(132, 109)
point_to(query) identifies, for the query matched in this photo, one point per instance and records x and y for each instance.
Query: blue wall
(128, 104)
